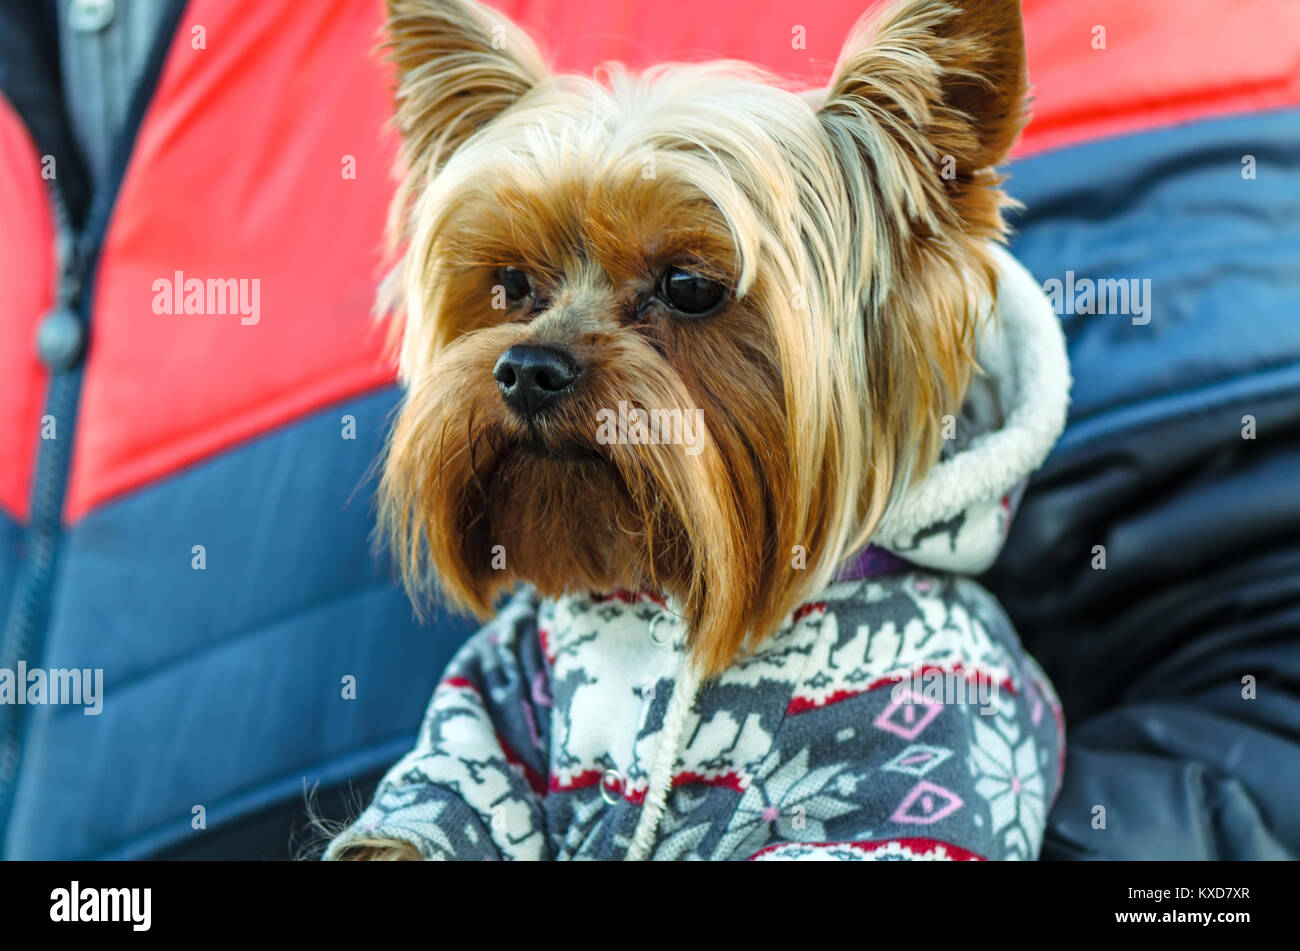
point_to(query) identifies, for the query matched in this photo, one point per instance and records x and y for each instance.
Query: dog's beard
(481, 499)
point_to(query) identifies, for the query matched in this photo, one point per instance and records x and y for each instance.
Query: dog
(717, 394)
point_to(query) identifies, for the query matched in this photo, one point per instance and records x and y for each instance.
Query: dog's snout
(531, 378)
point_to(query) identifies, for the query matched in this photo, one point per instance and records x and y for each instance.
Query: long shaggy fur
(848, 226)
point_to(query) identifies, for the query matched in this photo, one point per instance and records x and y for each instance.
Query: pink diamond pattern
(908, 715)
(926, 803)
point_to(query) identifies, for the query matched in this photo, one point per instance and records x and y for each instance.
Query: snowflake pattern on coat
(825, 743)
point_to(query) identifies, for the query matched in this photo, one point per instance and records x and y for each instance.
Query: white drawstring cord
(661, 772)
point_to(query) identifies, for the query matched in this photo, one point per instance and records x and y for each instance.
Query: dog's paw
(378, 850)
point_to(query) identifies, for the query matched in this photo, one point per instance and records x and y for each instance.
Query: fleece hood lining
(1021, 349)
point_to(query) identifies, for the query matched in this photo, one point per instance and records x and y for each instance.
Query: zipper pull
(60, 334)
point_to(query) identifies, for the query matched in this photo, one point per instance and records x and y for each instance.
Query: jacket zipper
(77, 249)
(29, 605)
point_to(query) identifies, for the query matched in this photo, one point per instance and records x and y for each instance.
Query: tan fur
(378, 850)
(856, 273)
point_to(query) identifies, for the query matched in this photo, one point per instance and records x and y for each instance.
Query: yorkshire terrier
(729, 388)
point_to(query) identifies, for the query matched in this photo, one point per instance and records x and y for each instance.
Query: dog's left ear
(945, 83)
(459, 66)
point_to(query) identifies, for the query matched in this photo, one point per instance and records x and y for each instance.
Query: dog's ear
(459, 66)
(927, 98)
(944, 82)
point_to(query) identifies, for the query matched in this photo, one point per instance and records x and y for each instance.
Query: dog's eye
(690, 293)
(515, 283)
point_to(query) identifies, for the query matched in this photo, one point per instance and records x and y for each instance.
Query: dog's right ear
(459, 66)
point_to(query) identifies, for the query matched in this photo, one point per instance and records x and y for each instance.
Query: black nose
(531, 378)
